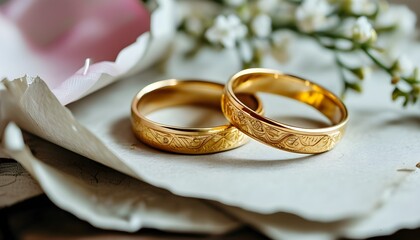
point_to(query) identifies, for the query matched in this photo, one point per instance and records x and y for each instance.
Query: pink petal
(64, 33)
(77, 84)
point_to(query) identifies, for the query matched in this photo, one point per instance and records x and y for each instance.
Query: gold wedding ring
(169, 93)
(277, 134)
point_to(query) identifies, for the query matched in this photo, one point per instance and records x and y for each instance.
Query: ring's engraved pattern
(200, 140)
(279, 137)
(222, 140)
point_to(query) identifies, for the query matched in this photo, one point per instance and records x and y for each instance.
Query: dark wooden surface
(38, 218)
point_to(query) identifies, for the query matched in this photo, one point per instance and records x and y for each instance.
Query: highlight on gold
(171, 93)
(277, 134)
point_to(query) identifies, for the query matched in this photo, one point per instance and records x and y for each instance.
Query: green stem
(376, 61)
(297, 2)
(385, 68)
(316, 36)
(331, 47)
(333, 36)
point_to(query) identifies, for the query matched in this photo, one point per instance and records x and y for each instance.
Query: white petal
(405, 65)
(221, 21)
(245, 51)
(228, 42)
(233, 20)
(312, 15)
(241, 32)
(401, 16)
(362, 29)
(261, 25)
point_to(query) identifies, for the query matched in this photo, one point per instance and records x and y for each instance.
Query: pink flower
(53, 39)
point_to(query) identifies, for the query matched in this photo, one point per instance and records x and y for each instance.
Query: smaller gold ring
(277, 134)
(169, 93)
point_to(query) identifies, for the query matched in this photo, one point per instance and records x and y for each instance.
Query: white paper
(111, 200)
(400, 210)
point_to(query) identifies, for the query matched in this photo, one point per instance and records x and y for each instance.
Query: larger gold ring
(277, 134)
(185, 140)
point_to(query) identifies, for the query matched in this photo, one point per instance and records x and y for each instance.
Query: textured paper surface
(400, 210)
(111, 200)
(354, 179)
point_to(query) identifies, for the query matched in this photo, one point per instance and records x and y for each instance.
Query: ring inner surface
(201, 94)
(294, 88)
(205, 95)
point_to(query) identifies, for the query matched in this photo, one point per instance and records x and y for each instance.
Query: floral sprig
(344, 27)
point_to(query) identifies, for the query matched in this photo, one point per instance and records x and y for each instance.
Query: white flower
(245, 51)
(235, 3)
(362, 30)
(261, 25)
(400, 16)
(404, 21)
(403, 66)
(361, 7)
(311, 15)
(226, 31)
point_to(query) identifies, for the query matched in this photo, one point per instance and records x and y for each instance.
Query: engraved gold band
(174, 92)
(277, 134)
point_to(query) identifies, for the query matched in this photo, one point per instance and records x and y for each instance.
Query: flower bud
(402, 66)
(359, 72)
(363, 32)
(395, 80)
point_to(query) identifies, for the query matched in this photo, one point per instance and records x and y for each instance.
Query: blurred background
(413, 4)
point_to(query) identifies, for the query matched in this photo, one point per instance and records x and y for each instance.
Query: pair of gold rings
(244, 111)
